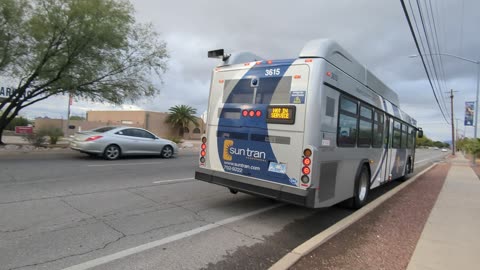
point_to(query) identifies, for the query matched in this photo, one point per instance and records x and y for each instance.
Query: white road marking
(173, 180)
(423, 160)
(428, 159)
(123, 164)
(157, 243)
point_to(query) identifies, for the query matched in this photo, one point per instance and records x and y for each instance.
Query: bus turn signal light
(307, 152)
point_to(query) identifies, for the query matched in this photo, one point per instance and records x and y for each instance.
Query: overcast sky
(375, 32)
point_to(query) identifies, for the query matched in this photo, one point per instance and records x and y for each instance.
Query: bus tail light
(307, 161)
(258, 113)
(203, 151)
(306, 170)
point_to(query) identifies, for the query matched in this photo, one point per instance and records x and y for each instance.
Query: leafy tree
(424, 141)
(88, 49)
(76, 117)
(471, 146)
(17, 121)
(180, 116)
(438, 144)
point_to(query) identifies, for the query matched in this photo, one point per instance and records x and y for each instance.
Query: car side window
(126, 132)
(145, 134)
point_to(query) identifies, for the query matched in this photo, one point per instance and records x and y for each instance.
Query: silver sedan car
(114, 142)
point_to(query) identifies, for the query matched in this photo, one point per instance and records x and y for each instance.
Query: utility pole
(453, 125)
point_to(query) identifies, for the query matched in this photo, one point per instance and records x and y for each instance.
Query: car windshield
(103, 129)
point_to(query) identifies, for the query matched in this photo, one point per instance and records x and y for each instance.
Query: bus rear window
(270, 90)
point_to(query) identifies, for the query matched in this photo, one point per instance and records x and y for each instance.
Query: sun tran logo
(226, 146)
(229, 151)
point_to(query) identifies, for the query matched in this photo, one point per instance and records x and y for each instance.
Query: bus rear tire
(408, 171)
(362, 189)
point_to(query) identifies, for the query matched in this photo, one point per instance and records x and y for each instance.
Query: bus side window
(378, 128)
(404, 136)
(365, 127)
(411, 137)
(347, 122)
(397, 134)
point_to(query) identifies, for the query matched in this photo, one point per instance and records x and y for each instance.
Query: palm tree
(180, 116)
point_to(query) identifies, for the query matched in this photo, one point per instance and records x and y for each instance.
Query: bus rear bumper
(302, 197)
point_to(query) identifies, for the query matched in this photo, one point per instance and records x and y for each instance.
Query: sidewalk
(451, 236)
(433, 223)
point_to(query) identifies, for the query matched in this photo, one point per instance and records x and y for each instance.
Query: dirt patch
(385, 238)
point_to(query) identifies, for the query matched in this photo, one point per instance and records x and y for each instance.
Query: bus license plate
(277, 167)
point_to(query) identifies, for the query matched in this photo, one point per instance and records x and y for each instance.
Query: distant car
(114, 142)
(436, 148)
(444, 150)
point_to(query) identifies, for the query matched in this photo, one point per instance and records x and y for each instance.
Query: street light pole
(476, 99)
(474, 163)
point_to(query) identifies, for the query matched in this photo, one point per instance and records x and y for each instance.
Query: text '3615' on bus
(313, 131)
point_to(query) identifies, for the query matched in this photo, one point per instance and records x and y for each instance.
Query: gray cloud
(375, 32)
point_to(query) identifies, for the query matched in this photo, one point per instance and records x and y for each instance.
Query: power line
(430, 64)
(430, 51)
(437, 43)
(461, 29)
(421, 56)
(437, 40)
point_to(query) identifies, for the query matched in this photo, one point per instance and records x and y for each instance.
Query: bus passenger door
(389, 151)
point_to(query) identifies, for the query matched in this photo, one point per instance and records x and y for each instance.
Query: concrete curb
(302, 250)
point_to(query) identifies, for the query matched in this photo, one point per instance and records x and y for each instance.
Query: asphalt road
(68, 210)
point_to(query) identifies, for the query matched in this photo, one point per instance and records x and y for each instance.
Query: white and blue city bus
(313, 131)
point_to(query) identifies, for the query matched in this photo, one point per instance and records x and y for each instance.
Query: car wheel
(362, 188)
(112, 152)
(167, 151)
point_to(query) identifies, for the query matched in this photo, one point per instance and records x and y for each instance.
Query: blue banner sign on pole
(469, 113)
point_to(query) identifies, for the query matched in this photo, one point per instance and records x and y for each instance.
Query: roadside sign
(23, 130)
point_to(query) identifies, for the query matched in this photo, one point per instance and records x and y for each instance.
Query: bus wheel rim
(363, 188)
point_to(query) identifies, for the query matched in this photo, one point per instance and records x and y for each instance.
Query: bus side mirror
(420, 133)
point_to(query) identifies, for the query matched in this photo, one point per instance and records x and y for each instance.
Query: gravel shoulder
(385, 238)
